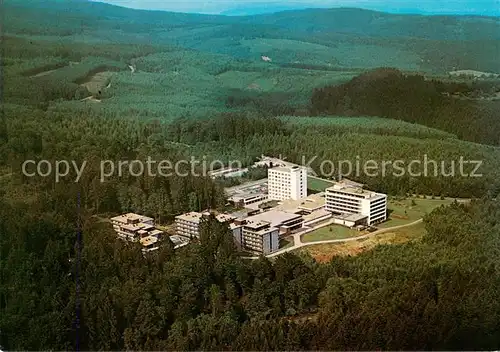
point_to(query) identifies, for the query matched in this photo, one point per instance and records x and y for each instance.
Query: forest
(389, 93)
(438, 294)
(180, 86)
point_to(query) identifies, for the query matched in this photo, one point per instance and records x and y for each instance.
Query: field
(332, 232)
(318, 184)
(400, 213)
(325, 252)
(405, 211)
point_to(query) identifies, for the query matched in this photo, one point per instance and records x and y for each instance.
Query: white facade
(349, 199)
(132, 227)
(188, 225)
(287, 183)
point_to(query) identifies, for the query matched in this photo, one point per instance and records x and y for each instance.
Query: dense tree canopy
(389, 93)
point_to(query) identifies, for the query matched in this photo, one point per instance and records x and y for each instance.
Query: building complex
(258, 227)
(356, 204)
(137, 228)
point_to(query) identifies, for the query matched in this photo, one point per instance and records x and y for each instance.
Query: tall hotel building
(350, 198)
(287, 183)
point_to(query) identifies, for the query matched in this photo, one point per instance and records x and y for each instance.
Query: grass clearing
(325, 252)
(402, 212)
(97, 82)
(332, 232)
(318, 184)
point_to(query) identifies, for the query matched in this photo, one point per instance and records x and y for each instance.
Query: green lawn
(286, 242)
(318, 184)
(403, 212)
(332, 232)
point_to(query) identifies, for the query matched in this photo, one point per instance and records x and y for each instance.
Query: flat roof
(233, 226)
(155, 232)
(191, 217)
(257, 224)
(350, 217)
(311, 203)
(345, 188)
(248, 190)
(316, 215)
(125, 218)
(176, 239)
(287, 168)
(225, 217)
(240, 214)
(273, 217)
(137, 227)
(196, 217)
(147, 241)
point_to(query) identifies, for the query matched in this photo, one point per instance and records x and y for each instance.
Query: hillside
(345, 37)
(84, 82)
(390, 93)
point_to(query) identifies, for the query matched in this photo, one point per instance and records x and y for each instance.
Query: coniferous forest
(109, 83)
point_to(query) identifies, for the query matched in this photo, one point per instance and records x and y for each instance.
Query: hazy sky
(482, 7)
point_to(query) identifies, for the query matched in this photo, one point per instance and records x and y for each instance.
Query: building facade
(259, 237)
(137, 228)
(188, 225)
(344, 198)
(132, 227)
(287, 183)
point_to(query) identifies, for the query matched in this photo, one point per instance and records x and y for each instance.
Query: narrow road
(299, 244)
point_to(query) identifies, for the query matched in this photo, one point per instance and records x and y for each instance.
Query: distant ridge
(489, 8)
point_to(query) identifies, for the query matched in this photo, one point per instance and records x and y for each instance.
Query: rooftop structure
(179, 241)
(285, 222)
(131, 218)
(272, 162)
(248, 193)
(150, 243)
(134, 227)
(188, 225)
(312, 203)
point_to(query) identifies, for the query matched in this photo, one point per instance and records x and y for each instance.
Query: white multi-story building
(349, 198)
(137, 228)
(188, 225)
(260, 237)
(132, 227)
(258, 233)
(287, 183)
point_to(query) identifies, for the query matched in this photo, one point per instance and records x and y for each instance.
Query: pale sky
(479, 7)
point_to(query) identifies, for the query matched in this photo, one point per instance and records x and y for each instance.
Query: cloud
(486, 7)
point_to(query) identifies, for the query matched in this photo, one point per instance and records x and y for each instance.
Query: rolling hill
(428, 43)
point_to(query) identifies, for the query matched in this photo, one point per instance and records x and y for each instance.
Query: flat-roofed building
(133, 227)
(179, 241)
(287, 183)
(316, 216)
(188, 225)
(312, 203)
(249, 193)
(259, 236)
(150, 243)
(285, 222)
(346, 197)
